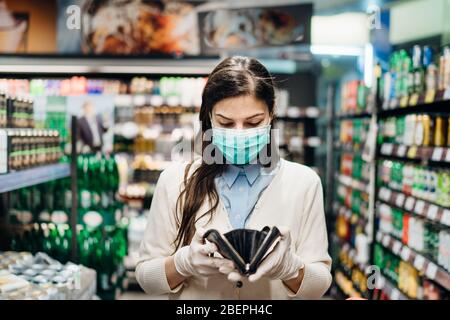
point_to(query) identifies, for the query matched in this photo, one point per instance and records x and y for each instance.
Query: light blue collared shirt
(240, 187)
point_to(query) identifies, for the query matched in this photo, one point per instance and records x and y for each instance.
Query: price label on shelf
(445, 219)
(405, 253)
(409, 204)
(412, 152)
(401, 151)
(419, 262)
(381, 282)
(437, 154)
(388, 194)
(431, 270)
(386, 241)
(387, 149)
(379, 236)
(419, 207)
(432, 212)
(396, 247)
(447, 94)
(400, 201)
(414, 99)
(395, 295)
(447, 155)
(404, 101)
(393, 103)
(429, 97)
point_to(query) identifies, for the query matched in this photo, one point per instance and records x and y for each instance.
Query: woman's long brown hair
(233, 77)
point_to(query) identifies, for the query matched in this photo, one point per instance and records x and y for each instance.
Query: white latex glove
(281, 263)
(194, 259)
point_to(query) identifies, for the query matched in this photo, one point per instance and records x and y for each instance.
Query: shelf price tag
(386, 241)
(405, 253)
(388, 195)
(395, 295)
(447, 155)
(419, 207)
(409, 205)
(396, 247)
(429, 97)
(419, 262)
(401, 151)
(400, 200)
(437, 154)
(447, 94)
(432, 212)
(412, 152)
(445, 219)
(431, 271)
(404, 101)
(414, 99)
(379, 236)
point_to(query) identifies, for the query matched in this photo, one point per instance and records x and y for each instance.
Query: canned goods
(59, 279)
(48, 273)
(30, 272)
(38, 267)
(55, 267)
(40, 279)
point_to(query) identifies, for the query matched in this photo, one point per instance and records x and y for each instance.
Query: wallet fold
(247, 248)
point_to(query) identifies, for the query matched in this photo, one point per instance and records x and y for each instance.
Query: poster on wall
(130, 27)
(13, 30)
(226, 29)
(95, 117)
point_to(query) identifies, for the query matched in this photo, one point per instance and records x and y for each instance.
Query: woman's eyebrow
(255, 115)
(248, 118)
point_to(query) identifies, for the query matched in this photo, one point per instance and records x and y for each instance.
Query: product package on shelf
(419, 76)
(24, 276)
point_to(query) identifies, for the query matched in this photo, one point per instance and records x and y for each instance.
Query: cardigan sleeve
(312, 247)
(157, 244)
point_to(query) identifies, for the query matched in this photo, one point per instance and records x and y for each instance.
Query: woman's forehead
(242, 106)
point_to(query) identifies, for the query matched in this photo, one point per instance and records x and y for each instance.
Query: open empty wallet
(245, 247)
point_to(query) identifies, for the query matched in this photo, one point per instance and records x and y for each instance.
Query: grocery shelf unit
(29, 177)
(383, 195)
(430, 103)
(306, 116)
(352, 217)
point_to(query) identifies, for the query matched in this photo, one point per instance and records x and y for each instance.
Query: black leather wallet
(245, 247)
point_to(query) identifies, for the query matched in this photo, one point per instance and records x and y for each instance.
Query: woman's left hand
(280, 264)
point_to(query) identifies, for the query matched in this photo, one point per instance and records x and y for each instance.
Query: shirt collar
(252, 171)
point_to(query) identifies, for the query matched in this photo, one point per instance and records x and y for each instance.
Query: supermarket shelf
(351, 182)
(429, 101)
(344, 116)
(341, 276)
(348, 147)
(422, 208)
(29, 177)
(312, 142)
(105, 65)
(421, 263)
(390, 289)
(434, 154)
(347, 247)
(347, 212)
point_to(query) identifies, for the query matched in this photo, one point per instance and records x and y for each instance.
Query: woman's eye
(226, 125)
(254, 124)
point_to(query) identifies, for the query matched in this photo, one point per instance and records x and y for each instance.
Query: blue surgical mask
(241, 146)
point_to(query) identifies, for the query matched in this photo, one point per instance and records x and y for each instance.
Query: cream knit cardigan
(293, 198)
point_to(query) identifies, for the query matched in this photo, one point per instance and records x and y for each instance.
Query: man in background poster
(91, 128)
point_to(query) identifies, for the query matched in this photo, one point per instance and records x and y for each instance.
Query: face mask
(241, 146)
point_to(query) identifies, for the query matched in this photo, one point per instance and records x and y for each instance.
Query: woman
(253, 188)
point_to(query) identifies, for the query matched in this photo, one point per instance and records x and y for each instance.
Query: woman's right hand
(194, 259)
